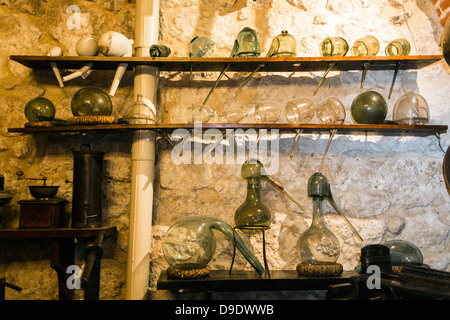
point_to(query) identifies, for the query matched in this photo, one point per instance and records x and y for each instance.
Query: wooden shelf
(221, 280)
(353, 129)
(292, 64)
(55, 233)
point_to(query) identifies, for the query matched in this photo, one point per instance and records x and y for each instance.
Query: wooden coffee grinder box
(42, 213)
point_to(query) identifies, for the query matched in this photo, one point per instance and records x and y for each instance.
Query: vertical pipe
(142, 159)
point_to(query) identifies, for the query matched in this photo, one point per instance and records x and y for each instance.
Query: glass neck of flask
(253, 189)
(317, 212)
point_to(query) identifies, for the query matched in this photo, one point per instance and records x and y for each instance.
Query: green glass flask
(283, 45)
(253, 213)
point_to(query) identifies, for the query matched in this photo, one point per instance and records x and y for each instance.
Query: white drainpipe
(142, 158)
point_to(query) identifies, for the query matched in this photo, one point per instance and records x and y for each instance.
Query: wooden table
(62, 241)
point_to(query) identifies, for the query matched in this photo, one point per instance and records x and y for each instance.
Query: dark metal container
(376, 254)
(87, 189)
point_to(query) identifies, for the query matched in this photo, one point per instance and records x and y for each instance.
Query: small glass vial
(333, 46)
(398, 47)
(366, 46)
(283, 45)
(246, 44)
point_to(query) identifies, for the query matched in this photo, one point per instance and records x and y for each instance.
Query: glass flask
(158, 50)
(300, 110)
(404, 252)
(246, 44)
(366, 46)
(333, 46)
(318, 245)
(199, 113)
(411, 108)
(40, 109)
(200, 47)
(266, 112)
(232, 116)
(283, 45)
(253, 212)
(91, 101)
(190, 243)
(369, 107)
(330, 111)
(398, 47)
(140, 113)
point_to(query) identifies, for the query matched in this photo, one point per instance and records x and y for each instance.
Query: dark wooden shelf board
(291, 64)
(55, 233)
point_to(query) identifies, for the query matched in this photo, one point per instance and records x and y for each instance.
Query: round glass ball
(411, 108)
(404, 252)
(40, 109)
(91, 101)
(369, 108)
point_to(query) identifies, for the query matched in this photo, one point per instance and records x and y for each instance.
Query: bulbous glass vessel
(190, 243)
(300, 110)
(253, 212)
(404, 252)
(398, 47)
(246, 44)
(369, 107)
(411, 108)
(200, 47)
(331, 111)
(139, 113)
(333, 46)
(91, 101)
(40, 109)
(199, 113)
(283, 45)
(318, 245)
(366, 46)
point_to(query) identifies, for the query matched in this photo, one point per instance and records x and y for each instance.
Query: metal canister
(376, 254)
(87, 188)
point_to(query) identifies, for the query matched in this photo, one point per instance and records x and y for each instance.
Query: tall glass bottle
(253, 212)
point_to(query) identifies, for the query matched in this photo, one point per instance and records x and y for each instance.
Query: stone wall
(390, 187)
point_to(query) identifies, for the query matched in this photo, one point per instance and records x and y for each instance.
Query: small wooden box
(44, 213)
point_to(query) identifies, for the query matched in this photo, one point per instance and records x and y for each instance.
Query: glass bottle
(40, 109)
(333, 46)
(190, 243)
(159, 50)
(411, 108)
(140, 113)
(253, 212)
(283, 45)
(200, 47)
(246, 44)
(91, 101)
(398, 47)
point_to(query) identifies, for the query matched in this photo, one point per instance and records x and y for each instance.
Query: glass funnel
(190, 243)
(246, 44)
(40, 109)
(411, 108)
(283, 45)
(139, 113)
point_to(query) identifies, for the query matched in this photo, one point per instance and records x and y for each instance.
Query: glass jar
(369, 107)
(398, 47)
(366, 46)
(190, 243)
(201, 47)
(300, 110)
(40, 109)
(253, 213)
(330, 111)
(91, 101)
(333, 46)
(411, 108)
(283, 45)
(246, 44)
(140, 113)
(266, 112)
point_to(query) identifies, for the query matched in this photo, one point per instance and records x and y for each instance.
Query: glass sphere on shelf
(369, 107)
(40, 109)
(140, 113)
(411, 108)
(91, 101)
(404, 252)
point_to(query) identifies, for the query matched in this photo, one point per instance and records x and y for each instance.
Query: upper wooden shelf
(55, 233)
(293, 64)
(353, 129)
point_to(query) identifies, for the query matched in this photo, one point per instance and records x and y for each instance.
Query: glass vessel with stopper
(318, 248)
(283, 45)
(189, 245)
(140, 113)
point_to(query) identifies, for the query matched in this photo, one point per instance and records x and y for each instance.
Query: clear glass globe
(40, 109)
(91, 101)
